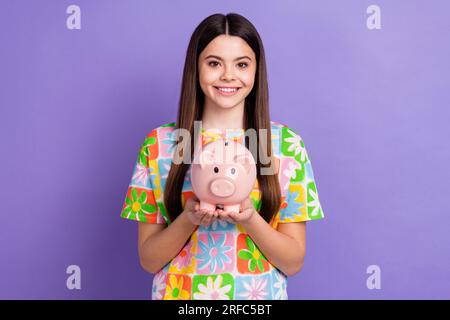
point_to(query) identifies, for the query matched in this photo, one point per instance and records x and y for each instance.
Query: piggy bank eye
(216, 169)
(233, 170)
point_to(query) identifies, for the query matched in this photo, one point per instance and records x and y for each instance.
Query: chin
(227, 106)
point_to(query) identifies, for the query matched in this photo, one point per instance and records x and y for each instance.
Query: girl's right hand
(197, 216)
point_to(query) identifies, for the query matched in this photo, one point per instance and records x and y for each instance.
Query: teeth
(227, 90)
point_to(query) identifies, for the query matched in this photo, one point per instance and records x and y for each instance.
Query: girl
(217, 254)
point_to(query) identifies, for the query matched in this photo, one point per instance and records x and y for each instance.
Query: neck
(215, 117)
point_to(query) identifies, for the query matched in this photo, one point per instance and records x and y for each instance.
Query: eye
(216, 169)
(233, 170)
(242, 65)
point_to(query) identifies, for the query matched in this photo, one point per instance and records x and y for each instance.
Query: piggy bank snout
(222, 187)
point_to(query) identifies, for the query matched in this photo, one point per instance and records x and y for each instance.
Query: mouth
(227, 91)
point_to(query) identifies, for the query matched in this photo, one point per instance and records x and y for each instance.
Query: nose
(228, 75)
(222, 188)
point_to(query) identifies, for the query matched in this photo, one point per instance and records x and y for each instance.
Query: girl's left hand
(246, 212)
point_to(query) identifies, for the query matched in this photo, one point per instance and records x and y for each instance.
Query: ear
(246, 160)
(206, 157)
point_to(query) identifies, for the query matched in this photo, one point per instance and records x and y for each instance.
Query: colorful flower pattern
(221, 261)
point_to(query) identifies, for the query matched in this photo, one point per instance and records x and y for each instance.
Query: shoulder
(283, 131)
(157, 132)
(287, 142)
(157, 141)
(290, 143)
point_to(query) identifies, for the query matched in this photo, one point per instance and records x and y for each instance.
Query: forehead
(228, 47)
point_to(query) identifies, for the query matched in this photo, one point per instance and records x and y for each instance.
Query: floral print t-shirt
(221, 261)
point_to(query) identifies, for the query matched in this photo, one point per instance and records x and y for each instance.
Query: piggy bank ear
(246, 160)
(206, 157)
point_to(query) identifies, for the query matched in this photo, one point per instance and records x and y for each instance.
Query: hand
(224, 216)
(247, 211)
(199, 217)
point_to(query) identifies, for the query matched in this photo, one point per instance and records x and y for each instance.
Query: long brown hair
(256, 109)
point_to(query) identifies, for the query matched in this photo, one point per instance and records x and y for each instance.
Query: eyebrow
(219, 58)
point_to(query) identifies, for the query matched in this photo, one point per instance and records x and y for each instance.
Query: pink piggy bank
(223, 173)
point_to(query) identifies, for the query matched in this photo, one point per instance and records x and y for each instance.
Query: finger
(245, 204)
(211, 217)
(225, 217)
(229, 220)
(207, 219)
(233, 216)
(215, 216)
(200, 214)
(222, 215)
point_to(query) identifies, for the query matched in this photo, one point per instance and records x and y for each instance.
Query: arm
(285, 248)
(158, 244)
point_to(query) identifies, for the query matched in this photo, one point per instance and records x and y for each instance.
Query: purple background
(371, 106)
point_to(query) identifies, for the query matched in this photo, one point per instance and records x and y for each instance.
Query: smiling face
(227, 62)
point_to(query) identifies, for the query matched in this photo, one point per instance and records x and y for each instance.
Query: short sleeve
(140, 202)
(301, 201)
